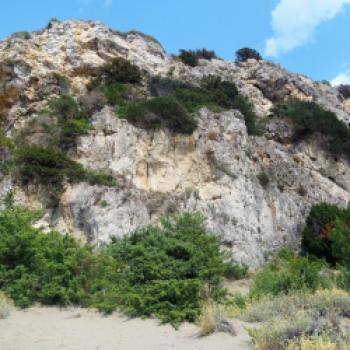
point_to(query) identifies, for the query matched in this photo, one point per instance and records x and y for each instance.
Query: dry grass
(294, 322)
(316, 343)
(213, 319)
(207, 319)
(5, 306)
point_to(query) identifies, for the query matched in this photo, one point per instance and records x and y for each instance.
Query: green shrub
(247, 53)
(206, 54)
(327, 233)
(5, 142)
(286, 273)
(160, 87)
(118, 70)
(310, 118)
(38, 267)
(72, 122)
(157, 112)
(235, 271)
(167, 270)
(189, 58)
(51, 167)
(263, 178)
(46, 166)
(246, 107)
(99, 178)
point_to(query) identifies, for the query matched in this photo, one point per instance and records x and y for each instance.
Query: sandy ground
(41, 328)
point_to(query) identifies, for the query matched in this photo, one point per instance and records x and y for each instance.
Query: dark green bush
(288, 272)
(263, 178)
(235, 271)
(118, 70)
(157, 112)
(46, 166)
(247, 53)
(310, 118)
(189, 58)
(38, 267)
(119, 94)
(213, 93)
(99, 178)
(51, 167)
(327, 233)
(166, 271)
(206, 54)
(71, 123)
(160, 87)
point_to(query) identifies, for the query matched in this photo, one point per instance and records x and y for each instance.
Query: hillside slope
(216, 171)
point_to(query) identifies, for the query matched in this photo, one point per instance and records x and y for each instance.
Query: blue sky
(305, 36)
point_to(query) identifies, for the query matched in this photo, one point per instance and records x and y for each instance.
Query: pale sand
(41, 328)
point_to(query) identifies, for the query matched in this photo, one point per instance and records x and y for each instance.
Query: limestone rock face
(216, 171)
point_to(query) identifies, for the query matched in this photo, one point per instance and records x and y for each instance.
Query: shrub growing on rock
(189, 58)
(72, 122)
(247, 53)
(46, 166)
(118, 70)
(51, 167)
(206, 54)
(157, 112)
(310, 118)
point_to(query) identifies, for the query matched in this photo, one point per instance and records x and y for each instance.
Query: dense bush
(213, 93)
(160, 87)
(189, 58)
(51, 167)
(327, 233)
(166, 271)
(157, 112)
(46, 166)
(118, 70)
(247, 53)
(206, 54)
(71, 123)
(309, 118)
(286, 273)
(47, 268)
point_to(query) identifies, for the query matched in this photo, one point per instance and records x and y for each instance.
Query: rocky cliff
(215, 171)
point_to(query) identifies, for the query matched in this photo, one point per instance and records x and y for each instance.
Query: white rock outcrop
(215, 171)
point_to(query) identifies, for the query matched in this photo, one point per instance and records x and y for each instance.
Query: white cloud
(294, 22)
(341, 79)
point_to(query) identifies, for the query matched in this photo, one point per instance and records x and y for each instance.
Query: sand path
(41, 328)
